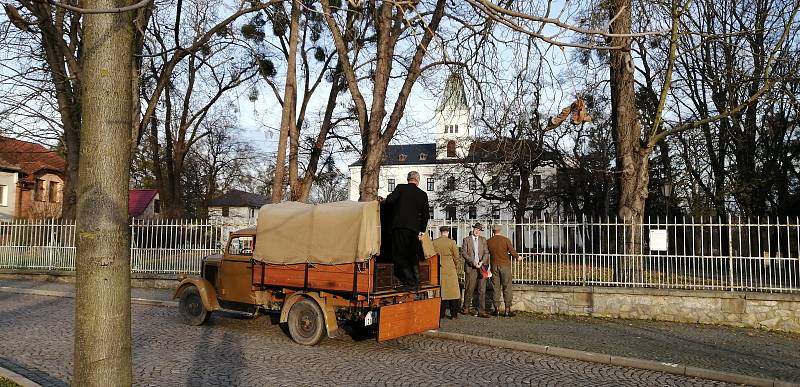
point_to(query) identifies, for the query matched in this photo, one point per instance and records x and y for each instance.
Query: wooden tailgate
(408, 318)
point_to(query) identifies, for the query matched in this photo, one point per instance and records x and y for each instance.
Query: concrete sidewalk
(736, 350)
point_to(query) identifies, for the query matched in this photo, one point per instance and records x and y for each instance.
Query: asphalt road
(36, 334)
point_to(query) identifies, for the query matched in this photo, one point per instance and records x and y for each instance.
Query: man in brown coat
(449, 263)
(475, 254)
(501, 250)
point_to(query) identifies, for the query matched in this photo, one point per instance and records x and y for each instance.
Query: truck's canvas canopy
(331, 233)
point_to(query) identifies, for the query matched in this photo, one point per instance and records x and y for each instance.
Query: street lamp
(666, 189)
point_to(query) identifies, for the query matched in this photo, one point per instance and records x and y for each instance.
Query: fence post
(133, 220)
(49, 243)
(583, 244)
(730, 254)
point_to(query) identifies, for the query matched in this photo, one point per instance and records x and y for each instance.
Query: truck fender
(205, 288)
(331, 325)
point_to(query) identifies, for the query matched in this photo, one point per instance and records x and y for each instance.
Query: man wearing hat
(475, 253)
(448, 276)
(501, 251)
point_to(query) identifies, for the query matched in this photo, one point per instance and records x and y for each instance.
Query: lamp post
(666, 189)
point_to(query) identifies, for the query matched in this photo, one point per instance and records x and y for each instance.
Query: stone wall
(756, 310)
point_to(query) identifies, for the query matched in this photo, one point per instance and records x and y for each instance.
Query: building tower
(454, 131)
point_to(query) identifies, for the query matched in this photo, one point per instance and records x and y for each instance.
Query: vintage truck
(320, 266)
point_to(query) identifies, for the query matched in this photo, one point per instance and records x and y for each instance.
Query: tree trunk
(102, 352)
(632, 160)
(370, 172)
(319, 146)
(288, 113)
(72, 143)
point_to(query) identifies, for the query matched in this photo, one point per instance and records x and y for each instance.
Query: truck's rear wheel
(306, 322)
(191, 307)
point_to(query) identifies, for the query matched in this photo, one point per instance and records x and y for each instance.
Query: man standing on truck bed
(410, 207)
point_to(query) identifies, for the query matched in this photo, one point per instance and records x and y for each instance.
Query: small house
(236, 207)
(144, 204)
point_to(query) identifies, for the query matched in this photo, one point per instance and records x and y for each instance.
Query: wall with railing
(688, 253)
(692, 253)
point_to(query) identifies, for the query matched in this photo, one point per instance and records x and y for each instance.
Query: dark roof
(28, 157)
(489, 150)
(412, 154)
(237, 198)
(139, 199)
(494, 150)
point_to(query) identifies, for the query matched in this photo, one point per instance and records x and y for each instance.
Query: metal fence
(692, 253)
(163, 246)
(687, 253)
(174, 246)
(46, 245)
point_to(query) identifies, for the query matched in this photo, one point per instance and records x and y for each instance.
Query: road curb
(671, 368)
(17, 378)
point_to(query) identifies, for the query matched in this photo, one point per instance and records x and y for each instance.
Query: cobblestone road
(36, 341)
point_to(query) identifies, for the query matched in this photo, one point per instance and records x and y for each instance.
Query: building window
(402, 157)
(496, 183)
(156, 206)
(39, 193)
(430, 212)
(451, 182)
(423, 156)
(495, 212)
(473, 185)
(450, 212)
(451, 148)
(430, 184)
(456, 129)
(225, 211)
(3, 195)
(52, 192)
(391, 185)
(536, 182)
(473, 212)
(447, 129)
(252, 212)
(515, 182)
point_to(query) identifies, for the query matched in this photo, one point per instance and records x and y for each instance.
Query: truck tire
(306, 322)
(191, 307)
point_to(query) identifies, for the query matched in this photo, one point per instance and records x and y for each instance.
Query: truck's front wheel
(191, 307)
(306, 322)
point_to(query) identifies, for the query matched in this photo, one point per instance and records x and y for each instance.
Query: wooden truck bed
(362, 278)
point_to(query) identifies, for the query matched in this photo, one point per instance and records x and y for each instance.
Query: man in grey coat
(475, 253)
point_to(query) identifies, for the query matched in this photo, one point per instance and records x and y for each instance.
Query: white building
(236, 208)
(444, 160)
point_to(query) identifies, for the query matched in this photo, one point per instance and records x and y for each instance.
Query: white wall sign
(658, 240)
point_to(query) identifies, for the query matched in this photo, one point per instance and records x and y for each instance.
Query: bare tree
(55, 36)
(188, 89)
(372, 39)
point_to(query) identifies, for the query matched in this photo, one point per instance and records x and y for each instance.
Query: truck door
(236, 272)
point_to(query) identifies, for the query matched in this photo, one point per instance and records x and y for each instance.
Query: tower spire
(453, 97)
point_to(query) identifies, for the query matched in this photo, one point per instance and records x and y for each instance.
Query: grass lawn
(7, 383)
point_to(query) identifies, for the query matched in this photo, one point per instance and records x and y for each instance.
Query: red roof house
(31, 180)
(144, 204)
